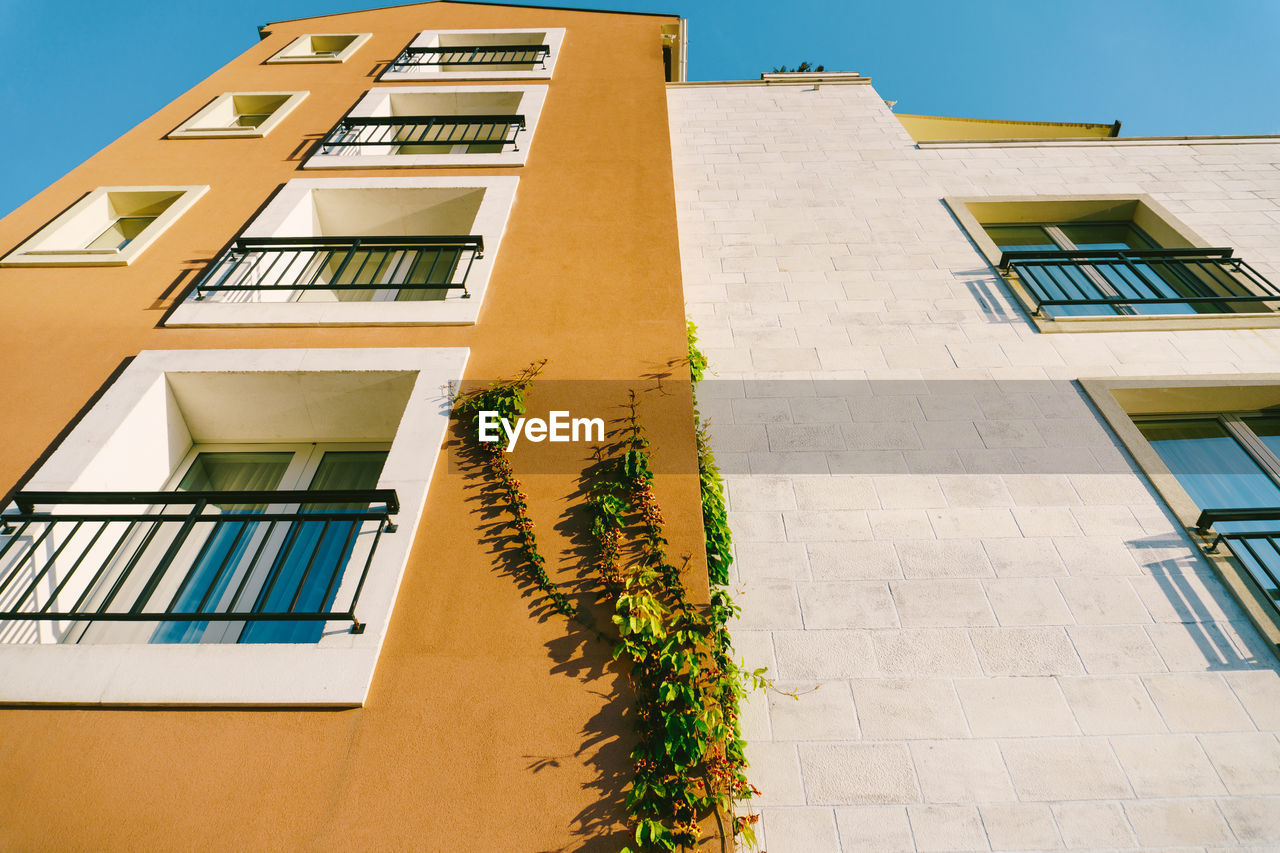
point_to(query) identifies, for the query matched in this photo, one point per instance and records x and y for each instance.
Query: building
(974, 384)
(966, 484)
(269, 284)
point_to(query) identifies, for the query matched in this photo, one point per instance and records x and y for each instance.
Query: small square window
(321, 47)
(239, 114)
(1103, 263)
(108, 227)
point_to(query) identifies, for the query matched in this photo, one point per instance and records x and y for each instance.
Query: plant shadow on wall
(681, 688)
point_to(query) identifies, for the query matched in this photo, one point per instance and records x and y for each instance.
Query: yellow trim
(946, 128)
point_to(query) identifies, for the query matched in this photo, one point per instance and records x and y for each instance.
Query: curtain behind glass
(318, 552)
(225, 550)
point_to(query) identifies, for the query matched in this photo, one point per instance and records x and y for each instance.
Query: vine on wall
(688, 760)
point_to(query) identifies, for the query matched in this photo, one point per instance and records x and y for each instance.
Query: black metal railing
(358, 267)
(1131, 281)
(1253, 536)
(495, 55)
(355, 133)
(187, 557)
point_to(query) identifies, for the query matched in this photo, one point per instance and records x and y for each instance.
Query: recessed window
(110, 226)
(223, 526)
(1074, 260)
(358, 250)
(239, 114)
(434, 126)
(1211, 448)
(321, 47)
(477, 55)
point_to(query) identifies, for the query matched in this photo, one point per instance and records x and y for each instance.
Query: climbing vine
(688, 760)
(508, 400)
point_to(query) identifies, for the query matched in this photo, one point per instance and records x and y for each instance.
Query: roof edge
(262, 27)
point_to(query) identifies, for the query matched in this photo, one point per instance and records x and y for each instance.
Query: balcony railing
(1146, 281)
(1253, 537)
(488, 55)
(190, 557)
(357, 268)
(353, 134)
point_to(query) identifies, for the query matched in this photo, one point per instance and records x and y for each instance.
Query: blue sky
(70, 82)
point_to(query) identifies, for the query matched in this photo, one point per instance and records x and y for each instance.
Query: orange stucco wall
(489, 726)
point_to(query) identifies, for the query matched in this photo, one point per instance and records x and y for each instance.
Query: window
(477, 55)
(1228, 464)
(109, 226)
(1211, 448)
(321, 47)
(239, 114)
(277, 489)
(268, 558)
(358, 250)
(434, 126)
(1087, 262)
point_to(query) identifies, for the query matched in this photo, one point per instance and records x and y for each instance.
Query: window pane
(1210, 464)
(309, 578)
(1020, 238)
(121, 232)
(1106, 235)
(250, 119)
(1267, 428)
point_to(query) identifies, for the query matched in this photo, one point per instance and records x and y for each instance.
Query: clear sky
(76, 74)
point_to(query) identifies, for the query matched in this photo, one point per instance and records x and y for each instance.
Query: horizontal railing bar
(1069, 256)
(1209, 517)
(162, 616)
(470, 55)
(26, 499)
(221, 516)
(411, 121)
(365, 242)
(1144, 300)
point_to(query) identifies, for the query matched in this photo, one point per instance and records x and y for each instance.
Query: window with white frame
(358, 250)
(223, 526)
(239, 114)
(108, 227)
(434, 126)
(441, 55)
(320, 47)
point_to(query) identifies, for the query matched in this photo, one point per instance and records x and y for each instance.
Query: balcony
(1145, 281)
(485, 57)
(183, 559)
(407, 135)
(347, 269)
(477, 54)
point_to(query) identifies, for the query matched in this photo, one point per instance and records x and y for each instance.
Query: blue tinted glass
(1210, 464)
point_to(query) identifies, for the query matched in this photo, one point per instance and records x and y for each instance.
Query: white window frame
(200, 127)
(61, 243)
(377, 103)
(127, 441)
(299, 50)
(553, 38)
(289, 211)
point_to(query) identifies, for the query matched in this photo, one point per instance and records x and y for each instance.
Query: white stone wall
(1000, 637)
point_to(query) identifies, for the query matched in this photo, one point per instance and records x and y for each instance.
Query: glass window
(1229, 462)
(121, 232)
